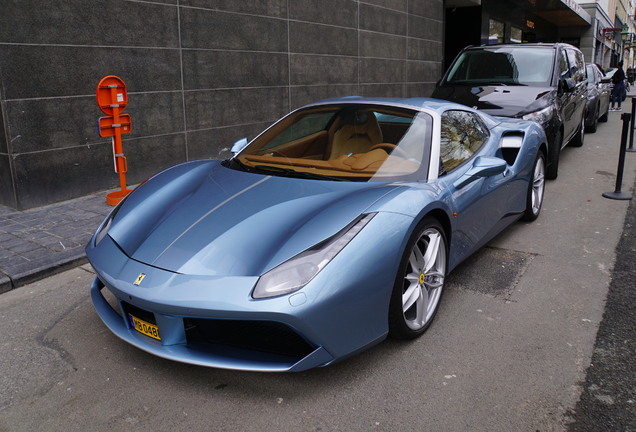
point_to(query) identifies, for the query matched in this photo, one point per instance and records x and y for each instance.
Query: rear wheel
(536, 188)
(420, 281)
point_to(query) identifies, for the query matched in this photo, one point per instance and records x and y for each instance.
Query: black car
(598, 97)
(546, 83)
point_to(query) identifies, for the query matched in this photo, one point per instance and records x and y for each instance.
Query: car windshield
(351, 142)
(504, 66)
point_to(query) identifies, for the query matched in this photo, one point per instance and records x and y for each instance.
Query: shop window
(496, 32)
(516, 35)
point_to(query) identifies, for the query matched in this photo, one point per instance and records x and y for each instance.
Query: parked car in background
(545, 83)
(598, 97)
(332, 229)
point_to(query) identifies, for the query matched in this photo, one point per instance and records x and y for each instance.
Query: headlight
(103, 229)
(542, 116)
(105, 226)
(295, 273)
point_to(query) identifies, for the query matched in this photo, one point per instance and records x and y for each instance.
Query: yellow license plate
(145, 327)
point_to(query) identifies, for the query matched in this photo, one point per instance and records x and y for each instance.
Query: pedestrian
(618, 79)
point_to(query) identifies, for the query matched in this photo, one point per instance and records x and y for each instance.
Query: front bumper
(177, 344)
(213, 320)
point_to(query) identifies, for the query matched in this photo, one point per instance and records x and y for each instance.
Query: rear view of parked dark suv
(545, 83)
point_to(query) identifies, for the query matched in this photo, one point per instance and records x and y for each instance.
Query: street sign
(111, 95)
(108, 127)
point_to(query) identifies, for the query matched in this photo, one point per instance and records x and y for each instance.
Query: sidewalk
(39, 242)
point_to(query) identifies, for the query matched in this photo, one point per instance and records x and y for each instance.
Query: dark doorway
(463, 28)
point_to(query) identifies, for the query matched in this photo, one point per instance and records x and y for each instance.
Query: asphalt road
(510, 348)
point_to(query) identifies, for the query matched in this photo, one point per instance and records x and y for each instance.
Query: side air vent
(509, 147)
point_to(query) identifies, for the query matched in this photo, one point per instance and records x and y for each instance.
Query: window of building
(516, 35)
(496, 32)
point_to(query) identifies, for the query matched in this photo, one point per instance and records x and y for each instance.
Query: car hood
(498, 100)
(205, 219)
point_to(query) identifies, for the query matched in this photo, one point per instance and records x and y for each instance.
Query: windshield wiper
(485, 83)
(234, 163)
(287, 172)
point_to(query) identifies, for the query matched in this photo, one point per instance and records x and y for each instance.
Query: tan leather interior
(354, 165)
(356, 133)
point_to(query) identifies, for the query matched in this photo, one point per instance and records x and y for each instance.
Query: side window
(580, 61)
(564, 68)
(463, 133)
(576, 65)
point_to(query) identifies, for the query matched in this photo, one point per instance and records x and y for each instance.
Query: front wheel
(554, 151)
(420, 281)
(536, 188)
(603, 118)
(579, 138)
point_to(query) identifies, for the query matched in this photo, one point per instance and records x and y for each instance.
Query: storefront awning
(562, 13)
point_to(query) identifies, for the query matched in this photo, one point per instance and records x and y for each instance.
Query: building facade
(512, 21)
(200, 74)
(603, 29)
(610, 39)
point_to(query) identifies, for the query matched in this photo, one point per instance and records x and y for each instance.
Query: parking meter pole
(112, 99)
(631, 132)
(617, 194)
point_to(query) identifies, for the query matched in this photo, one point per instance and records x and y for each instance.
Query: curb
(43, 271)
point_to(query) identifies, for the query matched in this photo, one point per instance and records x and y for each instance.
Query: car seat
(357, 132)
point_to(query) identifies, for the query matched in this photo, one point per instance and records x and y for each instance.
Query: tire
(419, 282)
(554, 151)
(603, 118)
(536, 189)
(592, 127)
(579, 138)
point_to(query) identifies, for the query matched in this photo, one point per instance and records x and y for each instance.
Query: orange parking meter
(112, 100)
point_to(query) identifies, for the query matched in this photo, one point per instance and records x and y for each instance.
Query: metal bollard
(631, 133)
(617, 194)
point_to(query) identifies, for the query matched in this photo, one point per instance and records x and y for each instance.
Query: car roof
(523, 45)
(418, 103)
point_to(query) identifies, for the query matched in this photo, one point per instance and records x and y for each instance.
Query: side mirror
(483, 166)
(238, 146)
(606, 80)
(568, 85)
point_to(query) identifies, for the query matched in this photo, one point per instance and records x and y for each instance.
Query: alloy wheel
(424, 279)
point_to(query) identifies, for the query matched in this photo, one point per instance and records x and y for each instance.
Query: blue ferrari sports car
(331, 230)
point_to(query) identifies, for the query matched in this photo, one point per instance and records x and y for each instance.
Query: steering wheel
(391, 148)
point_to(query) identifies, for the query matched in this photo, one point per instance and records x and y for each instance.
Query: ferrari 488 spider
(328, 232)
